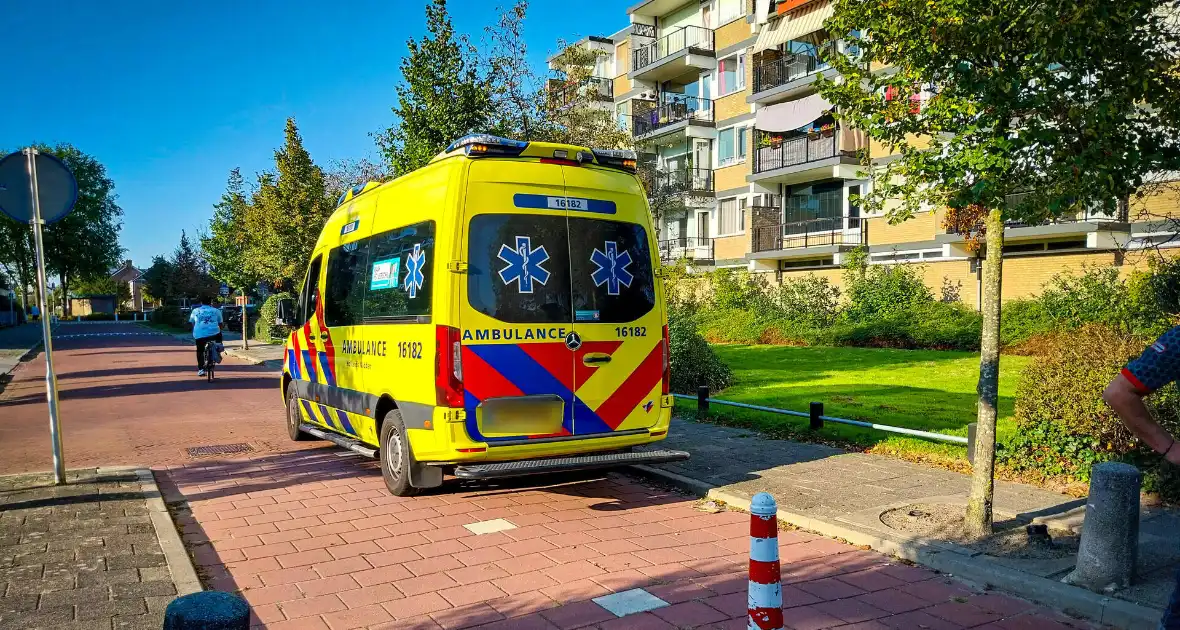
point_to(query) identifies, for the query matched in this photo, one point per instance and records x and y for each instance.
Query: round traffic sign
(56, 184)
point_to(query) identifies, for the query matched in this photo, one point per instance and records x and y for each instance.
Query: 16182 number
(409, 349)
(631, 331)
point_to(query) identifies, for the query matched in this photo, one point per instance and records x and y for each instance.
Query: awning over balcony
(791, 115)
(794, 25)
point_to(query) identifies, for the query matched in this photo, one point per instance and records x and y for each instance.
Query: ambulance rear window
(533, 269)
(518, 268)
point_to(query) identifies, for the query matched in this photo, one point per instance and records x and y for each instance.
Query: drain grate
(218, 449)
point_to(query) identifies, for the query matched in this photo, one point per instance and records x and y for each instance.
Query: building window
(728, 10)
(731, 146)
(731, 74)
(729, 217)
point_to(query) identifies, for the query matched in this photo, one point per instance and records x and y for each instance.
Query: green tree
(286, 214)
(224, 247)
(158, 280)
(517, 95)
(1012, 110)
(573, 108)
(342, 175)
(442, 97)
(16, 257)
(86, 242)
(190, 272)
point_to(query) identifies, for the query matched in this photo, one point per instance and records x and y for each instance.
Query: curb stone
(963, 564)
(180, 565)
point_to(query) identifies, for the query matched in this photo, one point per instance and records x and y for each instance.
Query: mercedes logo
(573, 341)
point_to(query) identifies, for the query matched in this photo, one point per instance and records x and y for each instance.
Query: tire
(293, 416)
(395, 455)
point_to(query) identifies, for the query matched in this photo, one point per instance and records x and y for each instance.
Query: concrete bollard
(1110, 533)
(765, 598)
(207, 610)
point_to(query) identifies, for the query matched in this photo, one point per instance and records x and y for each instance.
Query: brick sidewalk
(83, 555)
(313, 540)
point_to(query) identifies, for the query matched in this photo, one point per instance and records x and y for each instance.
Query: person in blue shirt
(206, 322)
(1156, 367)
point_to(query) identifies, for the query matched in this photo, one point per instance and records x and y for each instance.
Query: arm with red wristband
(1156, 367)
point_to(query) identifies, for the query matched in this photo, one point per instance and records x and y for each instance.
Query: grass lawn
(918, 389)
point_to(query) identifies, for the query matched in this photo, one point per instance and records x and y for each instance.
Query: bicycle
(210, 359)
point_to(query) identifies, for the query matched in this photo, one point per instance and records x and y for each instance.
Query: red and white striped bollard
(766, 592)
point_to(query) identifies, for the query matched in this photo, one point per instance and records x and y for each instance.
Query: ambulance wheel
(395, 455)
(293, 416)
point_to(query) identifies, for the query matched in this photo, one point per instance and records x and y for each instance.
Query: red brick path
(134, 400)
(313, 540)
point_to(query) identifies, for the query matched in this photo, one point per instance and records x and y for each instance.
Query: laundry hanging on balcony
(792, 115)
(794, 25)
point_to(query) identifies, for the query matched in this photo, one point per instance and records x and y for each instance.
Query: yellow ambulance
(495, 313)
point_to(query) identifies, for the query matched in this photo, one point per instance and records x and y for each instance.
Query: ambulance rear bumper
(521, 468)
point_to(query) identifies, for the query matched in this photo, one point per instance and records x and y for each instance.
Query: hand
(1173, 454)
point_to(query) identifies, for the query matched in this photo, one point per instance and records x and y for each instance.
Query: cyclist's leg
(201, 351)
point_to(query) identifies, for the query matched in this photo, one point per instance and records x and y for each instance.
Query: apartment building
(720, 98)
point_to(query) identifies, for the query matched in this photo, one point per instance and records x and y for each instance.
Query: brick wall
(731, 176)
(733, 105)
(730, 247)
(921, 227)
(1025, 276)
(1164, 202)
(732, 33)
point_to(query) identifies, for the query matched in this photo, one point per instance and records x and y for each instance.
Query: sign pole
(59, 466)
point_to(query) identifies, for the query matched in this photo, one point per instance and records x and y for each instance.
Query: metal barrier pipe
(956, 439)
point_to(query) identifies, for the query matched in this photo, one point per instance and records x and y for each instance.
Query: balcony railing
(781, 71)
(820, 232)
(780, 153)
(685, 180)
(688, 248)
(689, 37)
(598, 88)
(673, 108)
(1091, 215)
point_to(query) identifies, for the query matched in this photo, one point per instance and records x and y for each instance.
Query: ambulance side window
(311, 287)
(344, 294)
(399, 274)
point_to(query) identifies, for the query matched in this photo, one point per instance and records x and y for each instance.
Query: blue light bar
(487, 144)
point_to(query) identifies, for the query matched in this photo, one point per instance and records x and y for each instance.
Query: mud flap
(423, 476)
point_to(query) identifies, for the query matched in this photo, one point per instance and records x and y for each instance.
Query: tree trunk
(245, 337)
(978, 520)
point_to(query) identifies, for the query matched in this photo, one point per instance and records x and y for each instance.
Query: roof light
(482, 144)
(623, 159)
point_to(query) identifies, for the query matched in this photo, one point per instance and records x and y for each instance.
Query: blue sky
(171, 95)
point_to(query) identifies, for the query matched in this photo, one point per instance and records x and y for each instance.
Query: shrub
(1098, 295)
(812, 299)
(693, 361)
(169, 316)
(1064, 427)
(98, 317)
(877, 290)
(1021, 320)
(266, 330)
(738, 288)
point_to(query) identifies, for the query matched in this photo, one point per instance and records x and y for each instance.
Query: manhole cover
(218, 449)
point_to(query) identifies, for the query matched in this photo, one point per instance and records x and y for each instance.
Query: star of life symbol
(612, 268)
(524, 264)
(414, 265)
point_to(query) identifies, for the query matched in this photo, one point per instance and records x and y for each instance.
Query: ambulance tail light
(667, 380)
(448, 361)
(622, 159)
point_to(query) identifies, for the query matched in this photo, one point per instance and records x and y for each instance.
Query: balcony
(773, 73)
(689, 248)
(827, 154)
(678, 55)
(692, 181)
(834, 232)
(566, 93)
(674, 111)
(1097, 227)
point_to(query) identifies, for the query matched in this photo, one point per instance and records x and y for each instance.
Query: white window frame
(722, 18)
(740, 204)
(741, 60)
(738, 131)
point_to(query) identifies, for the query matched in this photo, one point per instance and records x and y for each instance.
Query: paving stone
(150, 621)
(133, 561)
(154, 574)
(109, 576)
(142, 589)
(106, 609)
(44, 585)
(74, 597)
